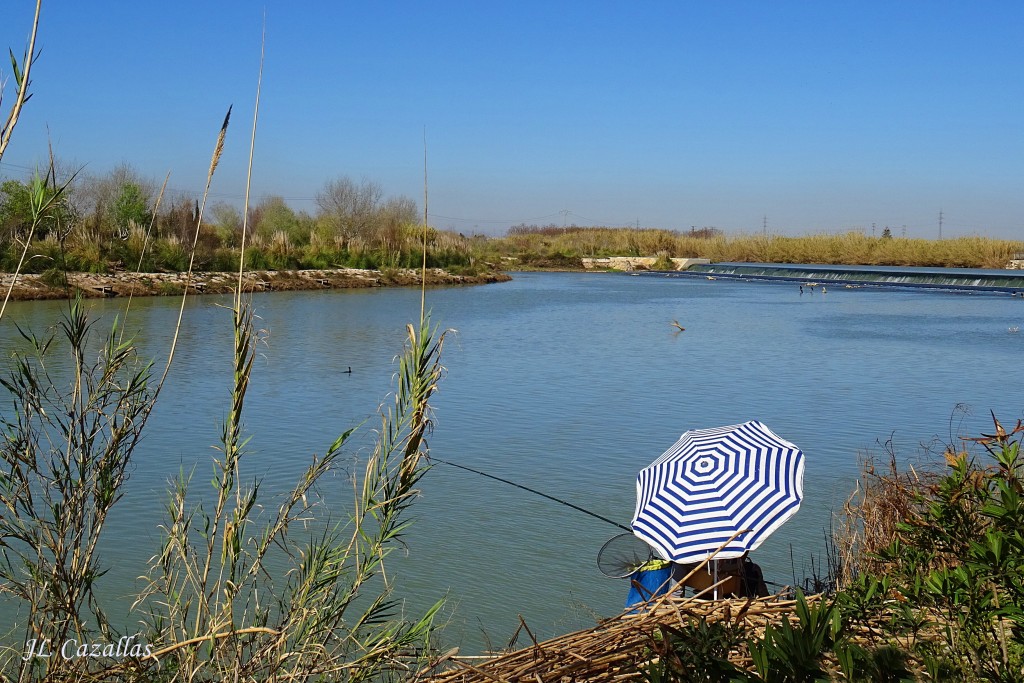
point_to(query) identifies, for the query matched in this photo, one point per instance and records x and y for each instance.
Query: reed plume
(218, 149)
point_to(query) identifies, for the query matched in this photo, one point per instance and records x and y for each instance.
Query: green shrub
(86, 256)
(170, 255)
(663, 262)
(54, 277)
(954, 571)
(467, 271)
(224, 260)
(791, 654)
(165, 288)
(256, 259)
(698, 651)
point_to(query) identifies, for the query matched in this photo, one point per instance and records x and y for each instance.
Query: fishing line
(527, 488)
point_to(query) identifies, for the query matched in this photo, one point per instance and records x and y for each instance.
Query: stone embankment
(154, 284)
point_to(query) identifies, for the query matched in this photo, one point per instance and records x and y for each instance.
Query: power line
(493, 220)
(606, 223)
(564, 213)
(23, 169)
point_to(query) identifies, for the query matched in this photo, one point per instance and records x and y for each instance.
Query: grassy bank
(82, 250)
(564, 247)
(66, 239)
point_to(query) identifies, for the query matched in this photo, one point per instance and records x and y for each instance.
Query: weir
(958, 279)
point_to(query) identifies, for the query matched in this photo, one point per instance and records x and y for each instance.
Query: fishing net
(622, 555)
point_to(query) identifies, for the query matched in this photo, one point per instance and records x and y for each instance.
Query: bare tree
(96, 195)
(348, 209)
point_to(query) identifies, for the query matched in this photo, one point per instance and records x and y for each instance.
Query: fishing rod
(527, 488)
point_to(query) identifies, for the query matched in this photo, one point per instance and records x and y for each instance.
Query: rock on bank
(31, 286)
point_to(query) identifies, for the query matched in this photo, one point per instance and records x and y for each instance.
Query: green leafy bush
(697, 652)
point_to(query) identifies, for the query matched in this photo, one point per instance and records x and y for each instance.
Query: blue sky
(820, 116)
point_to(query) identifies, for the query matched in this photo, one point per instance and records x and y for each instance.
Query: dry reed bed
(852, 248)
(884, 497)
(613, 650)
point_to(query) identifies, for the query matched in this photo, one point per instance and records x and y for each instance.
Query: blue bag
(646, 583)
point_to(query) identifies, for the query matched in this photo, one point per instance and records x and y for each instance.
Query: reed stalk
(40, 202)
(248, 174)
(21, 79)
(215, 159)
(43, 199)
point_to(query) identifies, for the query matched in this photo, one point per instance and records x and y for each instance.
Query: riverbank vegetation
(120, 221)
(537, 247)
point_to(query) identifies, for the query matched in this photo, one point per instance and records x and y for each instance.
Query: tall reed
(65, 453)
(239, 587)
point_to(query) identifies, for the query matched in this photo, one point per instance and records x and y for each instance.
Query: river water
(569, 384)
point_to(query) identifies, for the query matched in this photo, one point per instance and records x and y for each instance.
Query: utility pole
(764, 225)
(564, 212)
(940, 224)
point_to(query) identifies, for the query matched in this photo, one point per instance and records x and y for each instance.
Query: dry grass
(884, 497)
(614, 649)
(618, 649)
(852, 248)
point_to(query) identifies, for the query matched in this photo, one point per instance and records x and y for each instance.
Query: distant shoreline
(93, 285)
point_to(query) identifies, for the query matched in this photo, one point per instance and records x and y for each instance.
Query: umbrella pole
(715, 561)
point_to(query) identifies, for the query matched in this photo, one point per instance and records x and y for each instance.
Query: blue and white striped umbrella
(714, 483)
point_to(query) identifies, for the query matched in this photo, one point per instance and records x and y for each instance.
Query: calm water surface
(570, 384)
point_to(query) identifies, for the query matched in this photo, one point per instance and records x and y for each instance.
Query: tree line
(122, 220)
